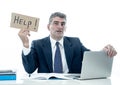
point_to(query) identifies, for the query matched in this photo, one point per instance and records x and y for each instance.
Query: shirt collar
(54, 41)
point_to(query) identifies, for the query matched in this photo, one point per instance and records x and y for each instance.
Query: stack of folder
(7, 75)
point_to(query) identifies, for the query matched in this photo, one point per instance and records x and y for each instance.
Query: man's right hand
(23, 34)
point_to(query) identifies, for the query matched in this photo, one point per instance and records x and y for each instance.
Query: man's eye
(62, 24)
(56, 23)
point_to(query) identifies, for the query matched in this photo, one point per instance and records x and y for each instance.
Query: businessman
(41, 55)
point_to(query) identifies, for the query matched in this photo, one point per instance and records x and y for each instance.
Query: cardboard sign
(24, 22)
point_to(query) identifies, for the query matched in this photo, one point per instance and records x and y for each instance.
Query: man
(41, 54)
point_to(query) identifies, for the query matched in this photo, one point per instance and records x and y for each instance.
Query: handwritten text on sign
(24, 22)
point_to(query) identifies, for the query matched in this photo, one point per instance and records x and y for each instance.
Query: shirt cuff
(26, 51)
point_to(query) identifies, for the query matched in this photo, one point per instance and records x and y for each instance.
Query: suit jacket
(40, 57)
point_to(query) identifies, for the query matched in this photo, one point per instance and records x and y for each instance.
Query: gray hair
(57, 14)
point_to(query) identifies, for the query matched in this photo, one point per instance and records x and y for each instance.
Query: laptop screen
(96, 64)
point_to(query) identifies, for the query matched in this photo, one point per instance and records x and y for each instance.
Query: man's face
(57, 28)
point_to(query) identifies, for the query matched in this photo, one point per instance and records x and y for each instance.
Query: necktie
(57, 60)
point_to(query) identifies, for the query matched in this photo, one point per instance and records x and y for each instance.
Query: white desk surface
(109, 81)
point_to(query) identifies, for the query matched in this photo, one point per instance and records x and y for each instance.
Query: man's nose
(60, 25)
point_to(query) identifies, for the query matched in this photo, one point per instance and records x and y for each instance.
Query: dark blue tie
(57, 60)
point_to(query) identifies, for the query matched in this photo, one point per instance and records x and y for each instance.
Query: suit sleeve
(30, 61)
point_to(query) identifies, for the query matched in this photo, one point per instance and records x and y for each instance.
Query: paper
(7, 72)
(24, 22)
(49, 76)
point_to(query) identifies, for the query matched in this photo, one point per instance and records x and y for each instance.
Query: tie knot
(57, 43)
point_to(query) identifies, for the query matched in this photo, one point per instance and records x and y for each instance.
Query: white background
(95, 22)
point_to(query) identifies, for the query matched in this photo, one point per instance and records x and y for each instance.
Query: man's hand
(110, 50)
(23, 34)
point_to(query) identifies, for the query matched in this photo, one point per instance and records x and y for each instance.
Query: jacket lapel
(48, 53)
(68, 52)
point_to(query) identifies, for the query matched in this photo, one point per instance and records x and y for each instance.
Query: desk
(108, 81)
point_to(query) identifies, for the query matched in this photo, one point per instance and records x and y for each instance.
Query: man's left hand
(110, 50)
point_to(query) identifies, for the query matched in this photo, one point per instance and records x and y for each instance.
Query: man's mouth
(59, 31)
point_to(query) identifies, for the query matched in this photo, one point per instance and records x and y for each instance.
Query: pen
(29, 75)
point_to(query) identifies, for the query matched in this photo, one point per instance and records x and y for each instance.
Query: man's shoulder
(42, 40)
(71, 38)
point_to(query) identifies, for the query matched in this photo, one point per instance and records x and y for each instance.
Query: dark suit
(40, 56)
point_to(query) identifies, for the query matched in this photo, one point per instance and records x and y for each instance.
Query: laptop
(96, 64)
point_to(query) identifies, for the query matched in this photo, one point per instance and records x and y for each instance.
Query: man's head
(57, 25)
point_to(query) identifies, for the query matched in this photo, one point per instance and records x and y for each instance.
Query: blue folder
(7, 75)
